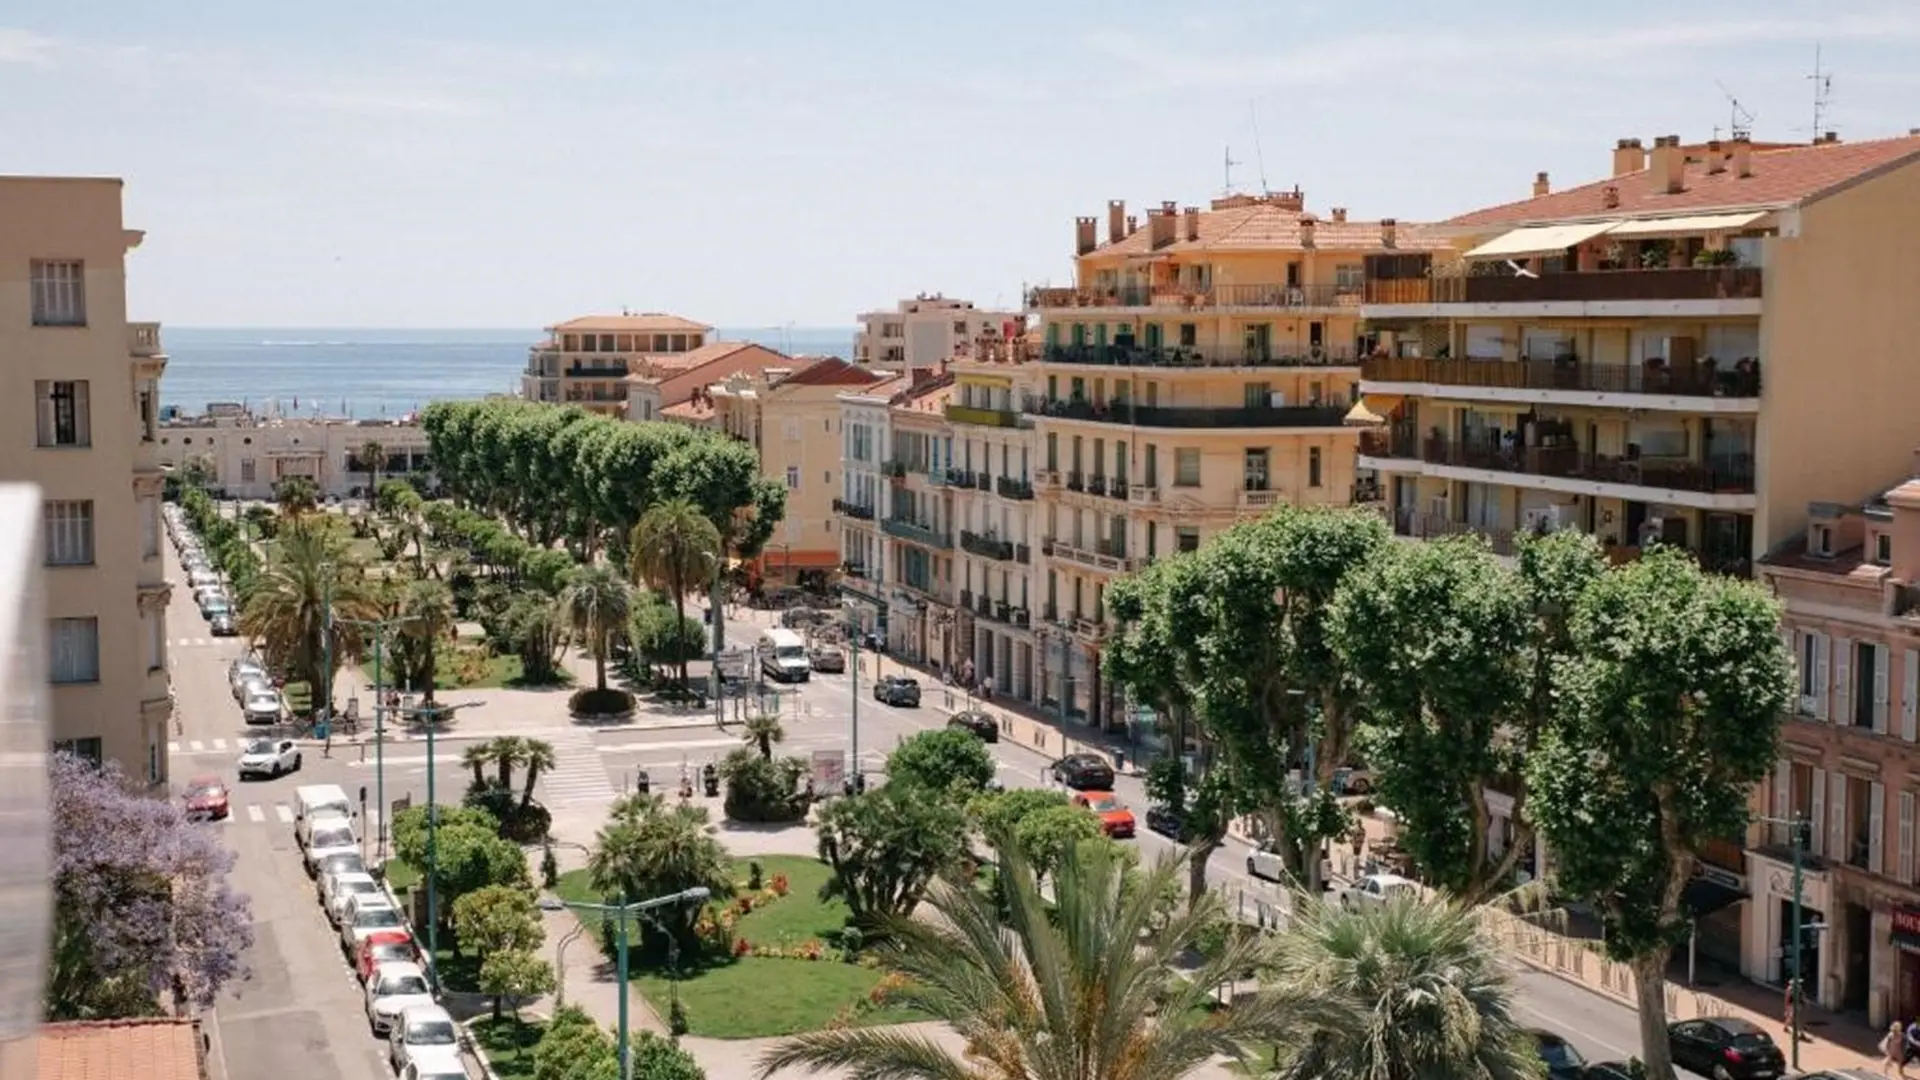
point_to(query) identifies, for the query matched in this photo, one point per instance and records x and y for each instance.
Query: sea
(371, 374)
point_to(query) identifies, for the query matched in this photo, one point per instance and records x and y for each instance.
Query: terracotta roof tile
(690, 409)
(159, 1049)
(676, 363)
(653, 321)
(1271, 226)
(1780, 178)
(831, 371)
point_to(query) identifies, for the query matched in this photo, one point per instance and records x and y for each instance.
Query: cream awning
(1372, 409)
(1687, 226)
(1539, 240)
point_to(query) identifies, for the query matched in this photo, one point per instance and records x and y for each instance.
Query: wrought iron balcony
(906, 529)
(1195, 356)
(852, 510)
(987, 547)
(895, 469)
(1155, 416)
(1009, 488)
(1738, 379)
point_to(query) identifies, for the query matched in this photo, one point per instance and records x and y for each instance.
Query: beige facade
(251, 454)
(26, 870)
(916, 516)
(85, 397)
(926, 332)
(586, 361)
(664, 380)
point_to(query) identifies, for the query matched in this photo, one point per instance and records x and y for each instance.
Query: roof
(690, 409)
(1780, 178)
(1274, 226)
(147, 1049)
(832, 371)
(655, 321)
(927, 396)
(677, 363)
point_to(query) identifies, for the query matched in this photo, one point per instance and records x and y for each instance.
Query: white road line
(255, 814)
(197, 746)
(284, 813)
(684, 744)
(219, 744)
(578, 774)
(173, 746)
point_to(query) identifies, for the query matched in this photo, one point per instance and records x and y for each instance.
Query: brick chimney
(1307, 222)
(1830, 137)
(1540, 185)
(1389, 232)
(1086, 235)
(1117, 220)
(1610, 196)
(1339, 215)
(1628, 157)
(1193, 222)
(1716, 158)
(1293, 200)
(1162, 226)
(1742, 156)
(1668, 164)
(1133, 225)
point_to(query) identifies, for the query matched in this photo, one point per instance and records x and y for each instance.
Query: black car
(1613, 1070)
(1083, 772)
(1563, 1061)
(976, 722)
(897, 690)
(1726, 1048)
(222, 624)
(1169, 823)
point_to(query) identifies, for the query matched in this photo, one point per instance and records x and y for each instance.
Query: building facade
(866, 440)
(586, 361)
(926, 332)
(661, 381)
(250, 454)
(918, 522)
(85, 431)
(1593, 358)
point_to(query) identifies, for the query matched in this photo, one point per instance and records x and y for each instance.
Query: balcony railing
(1160, 416)
(1194, 356)
(852, 510)
(973, 414)
(1392, 441)
(1684, 283)
(1426, 526)
(917, 533)
(987, 547)
(1258, 498)
(896, 470)
(1002, 612)
(1728, 474)
(597, 371)
(1076, 482)
(1144, 493)
(1009, 488)
(1738, 380)
(601, 396)
(143, 339)
(1175, 295)
(1104, 555)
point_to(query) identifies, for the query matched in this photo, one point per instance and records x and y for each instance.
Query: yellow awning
(1687, 226)
(985, 380)
(1372, 409)
(1539, 240)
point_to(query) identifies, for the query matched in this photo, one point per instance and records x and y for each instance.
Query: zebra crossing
(578, 775)
(280, 814)
(205, 746)
(194, 642)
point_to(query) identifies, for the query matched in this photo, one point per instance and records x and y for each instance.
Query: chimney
(1133, 225)
(1716, 158)
(1388, 230)
(1193, 223)
(1116, 220)
(1742, 156)
(1086, 235)
(1306, 230)
(1540, 185)
(1162, 226)
(1628, 157)
(1610, 196)
(1669, 165)
(1830, 137)
(1339, 215)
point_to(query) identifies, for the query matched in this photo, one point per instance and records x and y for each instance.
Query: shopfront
(1769, 929)
(1904, 937)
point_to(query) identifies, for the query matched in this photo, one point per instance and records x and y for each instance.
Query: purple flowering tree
(143, 912)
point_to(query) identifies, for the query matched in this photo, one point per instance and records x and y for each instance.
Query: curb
(479, 1052)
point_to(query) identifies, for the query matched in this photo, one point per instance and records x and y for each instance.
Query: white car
(269, 758)
(330, 836)
(1380, 889)
(1265, 862)
(434, 1070)
(423, 1037)
(200, 579)
(393, 989)
(263, 705)
(367, 915)
(243, 671)
(337, 890)
(249, 683)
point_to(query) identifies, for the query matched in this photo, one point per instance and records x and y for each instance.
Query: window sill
(39, 324)
(95, 681)
(88, 565)
(64, 446)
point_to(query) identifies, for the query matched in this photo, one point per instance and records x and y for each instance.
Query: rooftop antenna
(1259, 155)
(1822, 93)
(1739, 120)
(1228, 163)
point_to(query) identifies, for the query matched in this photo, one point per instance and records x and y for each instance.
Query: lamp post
(623, 909)
(379, 731)
(1799, 839)
(433, 713)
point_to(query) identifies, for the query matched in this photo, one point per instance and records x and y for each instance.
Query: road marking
(219, 744)
(684, 744)
(197, 746)
(255, 814)
(283, 812)
(578, 774)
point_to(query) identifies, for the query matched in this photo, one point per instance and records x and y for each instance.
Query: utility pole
(697, 895)
(379, 731)
(433, 715)
(1799, 831)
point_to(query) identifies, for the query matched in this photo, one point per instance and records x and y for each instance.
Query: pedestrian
(1893, 1052)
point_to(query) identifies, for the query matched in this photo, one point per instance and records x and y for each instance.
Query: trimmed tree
(1668, 715)
(514, 975)
(886, 847)
(944, 759)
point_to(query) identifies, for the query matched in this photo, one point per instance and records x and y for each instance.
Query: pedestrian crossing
(280, 814)
(578, 775)
(194, 642)
(204, 746)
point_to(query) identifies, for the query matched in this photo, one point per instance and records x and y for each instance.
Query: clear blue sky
(486, 163)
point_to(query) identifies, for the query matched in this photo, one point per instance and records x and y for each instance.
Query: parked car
(207, 594)
(432, 1071)
(339, 862)
(1620, 1070)
(1563, 1061)
(1266, 863)
(423, 1036)
(198, 578)
(897, 690)
(1083, 772)
(223, 624)
(975, 722)
(1169, 823)
(243, 671)
(263, 705)
(1379, 889)
(382, 947)
(339, 887)
(206, 799)
(827, 658)
(392, 989)
(269, 758)
(365, 915)
(1115, 819)
(1726, 1048)
(330, 836)
(216, 607)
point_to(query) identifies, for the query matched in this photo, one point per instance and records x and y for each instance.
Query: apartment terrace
(1682, 283)
(1572, 463)
(907, 529)
(1103, 555)
(852, 510)
(1194, 297)
(996, 610)
(973, 414)
(1190, 417)
(1700, 379)
(1192, 356)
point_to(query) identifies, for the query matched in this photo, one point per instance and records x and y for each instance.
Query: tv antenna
(1227, 164)
(1739, 120)
(1822, 93)
(1259, 155)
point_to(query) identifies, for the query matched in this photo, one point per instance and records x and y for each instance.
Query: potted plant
(1656, 255)
(1717, 257)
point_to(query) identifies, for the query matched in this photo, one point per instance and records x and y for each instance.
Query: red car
(1115, 819)
(207, 799)
(385, 947)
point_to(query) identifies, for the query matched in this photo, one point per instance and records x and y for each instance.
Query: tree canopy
(886, 846)
(942, 760)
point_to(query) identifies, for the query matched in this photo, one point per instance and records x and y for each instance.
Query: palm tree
(537, 756)
(597, 606)
(373, 458)
(1063, 994)
(296, 495)
(762, 731)
(427, 608)
(674, 548)
(650, 848)
(508, 752)
(1426, 980)
(477, 757)
(287, 611)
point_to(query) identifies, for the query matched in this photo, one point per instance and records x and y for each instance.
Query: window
(156, 628)
(1820, 540)
(85, 749)
(69, 532)
(1189, 334)
(1186, 466)
(1257, 395)
(149, 527)
(59, 292)
(246, 470)
(74, 647)
(1186, 538)
(1313, 466)
(1883, 549)
(1254, 470)
(1349, 277)
(793, 478)
(63, 412)
(791, 430)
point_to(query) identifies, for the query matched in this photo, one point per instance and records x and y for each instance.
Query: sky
(486, 163)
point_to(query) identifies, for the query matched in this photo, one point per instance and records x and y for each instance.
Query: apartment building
(586, 361)
(26, 859)
(926, 332)
(866, 441)
(922, 622)
(1200, 371)
(1662, 354)
(663, 380)
(85, 423)
(250, 454)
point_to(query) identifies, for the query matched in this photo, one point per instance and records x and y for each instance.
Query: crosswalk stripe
(219, 744)
(284, 813)
(255, 814)
(578, 774)
(197, 745)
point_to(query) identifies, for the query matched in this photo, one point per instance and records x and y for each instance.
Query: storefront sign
(1722, 877)
(1906, 925)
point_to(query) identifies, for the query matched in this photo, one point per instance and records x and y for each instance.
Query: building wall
(126, 708)
(250, 457)
(647, 396)
(925, 332)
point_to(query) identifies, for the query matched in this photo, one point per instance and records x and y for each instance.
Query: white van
(317, 801)
(783, 656)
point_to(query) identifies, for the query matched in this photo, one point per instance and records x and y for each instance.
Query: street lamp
(379, 731)
(697, 895)
(433, 713)
(1799, 833)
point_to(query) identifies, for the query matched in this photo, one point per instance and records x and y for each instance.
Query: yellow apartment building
(917, 521)
(921, 334)
(86, 396)
(586, 361)
(866, 447)
(1199, 371)
(1690, 350)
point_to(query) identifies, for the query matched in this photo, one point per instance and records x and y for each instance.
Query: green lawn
(509, 1044)
(752, 996)
(500, 671)
(457, 972)
(402, 876)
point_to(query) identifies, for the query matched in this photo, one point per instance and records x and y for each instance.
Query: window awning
(1704, 896)
(1686, 226)
(1539, 240)
(1371, 409)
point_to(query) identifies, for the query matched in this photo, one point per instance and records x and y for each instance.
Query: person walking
(1893, 1052)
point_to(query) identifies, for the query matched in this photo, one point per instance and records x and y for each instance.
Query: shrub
(677, 1017)
(779, 885)
(753, 875)
(762, 790)
(595, 702)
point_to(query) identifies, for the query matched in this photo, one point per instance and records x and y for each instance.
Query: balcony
(1688, 380)
(1046, 478)
(1022, 554)
(1002, 612)
(1092, 631)
(1009, 488)
(1193, 356)
(987, 547)
(1683, 283)
(603, 397)
(894, 470)
(1144, 494)
(1728, 475)
(1416, 525)
(1172, 294)
(904, 529)
(1392, 441)
(1104, 555)
(143, 339)
(596, 371)
(852, 510)
(1258, 498)
(1158, 416)
(1076, 482)
(973, 414)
